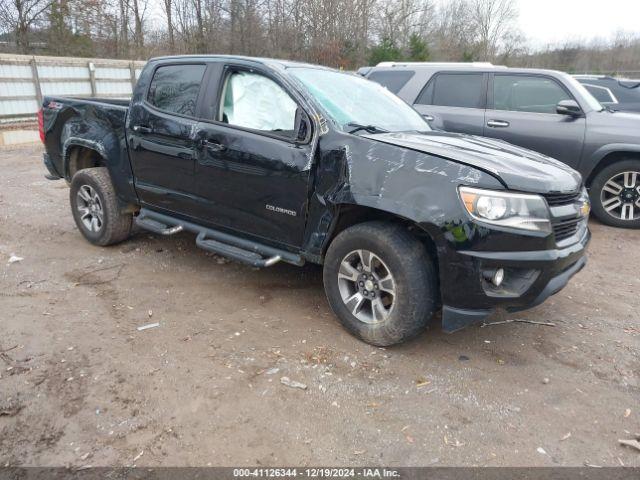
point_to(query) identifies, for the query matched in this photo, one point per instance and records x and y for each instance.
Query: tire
(395, 318)
(95, 208)
(603, 194)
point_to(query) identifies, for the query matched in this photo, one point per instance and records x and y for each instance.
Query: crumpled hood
(519, 168)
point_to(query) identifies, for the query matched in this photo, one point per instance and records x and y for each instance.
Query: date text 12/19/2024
(315, 473)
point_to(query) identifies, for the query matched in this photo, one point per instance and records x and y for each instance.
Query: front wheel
(615, 194)
(380, 282)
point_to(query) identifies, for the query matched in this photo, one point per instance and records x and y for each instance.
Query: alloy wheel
(366, 286)
(620, 196)
(90, 208)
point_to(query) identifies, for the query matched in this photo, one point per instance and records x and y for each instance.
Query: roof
(437, 64)
(272, 62)
(452, 66)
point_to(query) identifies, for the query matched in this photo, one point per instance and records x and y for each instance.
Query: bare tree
(124, 28)
(454, 32)
(139, 9)
(168, 11)
(399, 19)
(339, 33)
(19, 16)
(494, 21)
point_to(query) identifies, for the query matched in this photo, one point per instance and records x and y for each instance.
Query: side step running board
(156, 227)
(236, 248)
(244, 256)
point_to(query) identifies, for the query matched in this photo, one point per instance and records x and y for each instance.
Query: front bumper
(536, 275)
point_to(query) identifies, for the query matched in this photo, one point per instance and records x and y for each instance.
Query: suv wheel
(615, 194)
(95, 208)
(380, 282)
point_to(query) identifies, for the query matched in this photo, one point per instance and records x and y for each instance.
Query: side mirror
(303, 126)
(569, 107)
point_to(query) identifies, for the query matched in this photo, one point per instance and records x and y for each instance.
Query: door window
(520, 93)
(454, 90)
(175, 88)
(253, 101)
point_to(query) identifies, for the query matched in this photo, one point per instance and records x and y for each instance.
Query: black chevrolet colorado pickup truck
(268, 161)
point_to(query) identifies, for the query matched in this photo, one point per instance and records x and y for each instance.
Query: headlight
(507, 209)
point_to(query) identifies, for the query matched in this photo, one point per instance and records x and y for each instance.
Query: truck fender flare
(71, 142)
(596, 158)
(399, 209)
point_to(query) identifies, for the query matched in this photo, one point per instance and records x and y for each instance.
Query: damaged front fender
(416, 186)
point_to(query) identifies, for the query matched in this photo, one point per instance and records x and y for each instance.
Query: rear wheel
(95, 207)
(615, 194)
(380, 282)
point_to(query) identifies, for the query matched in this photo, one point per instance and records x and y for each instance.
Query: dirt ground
(80, 385)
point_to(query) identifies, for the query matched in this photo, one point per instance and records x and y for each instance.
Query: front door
(254, 158)
(524, 113)
(161, 137)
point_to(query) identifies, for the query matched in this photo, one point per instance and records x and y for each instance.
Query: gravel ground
(80, 385)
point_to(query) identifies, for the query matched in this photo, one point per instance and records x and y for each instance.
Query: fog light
(494, 276)
(497, 278)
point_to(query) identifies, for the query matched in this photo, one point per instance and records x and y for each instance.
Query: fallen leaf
(422, 382)
(627, 412)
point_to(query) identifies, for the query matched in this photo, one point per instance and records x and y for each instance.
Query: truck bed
(95, 124)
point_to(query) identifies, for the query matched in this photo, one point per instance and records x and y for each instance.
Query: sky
(553, 21)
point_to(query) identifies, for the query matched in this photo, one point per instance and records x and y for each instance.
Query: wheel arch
(608, 156)
(80, 154)
(88, 141)
(349, 214)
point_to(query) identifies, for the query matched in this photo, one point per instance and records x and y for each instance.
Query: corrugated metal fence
(25, 79)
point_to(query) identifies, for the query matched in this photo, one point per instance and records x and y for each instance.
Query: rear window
(392, 81)
(454, 90)
(174, 88)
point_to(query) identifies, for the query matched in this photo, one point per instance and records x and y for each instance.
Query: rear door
(161, 136)
(252, 170)
(454, 101)
(523, 112)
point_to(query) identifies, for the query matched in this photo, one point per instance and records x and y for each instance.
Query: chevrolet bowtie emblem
(585, 208)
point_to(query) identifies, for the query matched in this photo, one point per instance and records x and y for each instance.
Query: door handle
(497, 124)
(427, 117)
(142, 129)
(214, 146)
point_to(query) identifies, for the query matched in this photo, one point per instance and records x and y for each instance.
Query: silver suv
(542, 110)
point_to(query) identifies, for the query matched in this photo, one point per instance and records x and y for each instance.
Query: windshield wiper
(367, 128)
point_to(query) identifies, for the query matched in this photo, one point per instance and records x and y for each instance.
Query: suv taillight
(41, 125)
